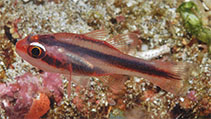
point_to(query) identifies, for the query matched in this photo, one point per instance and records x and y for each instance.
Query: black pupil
(35, 51)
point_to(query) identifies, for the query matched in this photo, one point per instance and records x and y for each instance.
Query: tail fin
(176, 78)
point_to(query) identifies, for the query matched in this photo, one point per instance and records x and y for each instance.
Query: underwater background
(168, 30)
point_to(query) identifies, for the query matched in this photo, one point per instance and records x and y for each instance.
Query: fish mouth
(21, 46)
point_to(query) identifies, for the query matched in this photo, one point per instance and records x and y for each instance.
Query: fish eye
(36, 51)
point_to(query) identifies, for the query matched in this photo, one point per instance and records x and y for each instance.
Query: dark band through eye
(36, 52)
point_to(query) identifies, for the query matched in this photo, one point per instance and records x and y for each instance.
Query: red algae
(27, 96)
(16, 98)
(53, 83)
(39, 107)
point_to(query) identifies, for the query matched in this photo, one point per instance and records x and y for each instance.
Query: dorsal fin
(97, 34)
(125, 42)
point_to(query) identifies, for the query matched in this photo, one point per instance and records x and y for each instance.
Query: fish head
(29, 48)
(33, 51)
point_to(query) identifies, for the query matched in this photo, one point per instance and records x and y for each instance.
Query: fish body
(86, 54)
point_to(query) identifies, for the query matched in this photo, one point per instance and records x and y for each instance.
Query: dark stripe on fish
(54, 62)
(77, 68)
(134, 65)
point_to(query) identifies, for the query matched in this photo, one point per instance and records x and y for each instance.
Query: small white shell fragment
(144, 47)
(131, 3)
(26, 1)
(208, 3)
(150, 54)
(182, 99)
(136, 79)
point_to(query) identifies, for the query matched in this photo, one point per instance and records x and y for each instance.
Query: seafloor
(157, 24)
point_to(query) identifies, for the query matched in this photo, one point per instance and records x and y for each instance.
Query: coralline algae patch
(157, 24)
(39, 107)
(29, 98)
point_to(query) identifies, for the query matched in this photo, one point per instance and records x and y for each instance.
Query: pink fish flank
(86, 54)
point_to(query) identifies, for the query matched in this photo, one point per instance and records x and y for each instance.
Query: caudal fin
(172, 77)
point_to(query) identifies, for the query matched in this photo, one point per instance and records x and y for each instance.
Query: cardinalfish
(85, 54)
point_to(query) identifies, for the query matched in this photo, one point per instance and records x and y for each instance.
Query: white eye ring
(38, 45)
